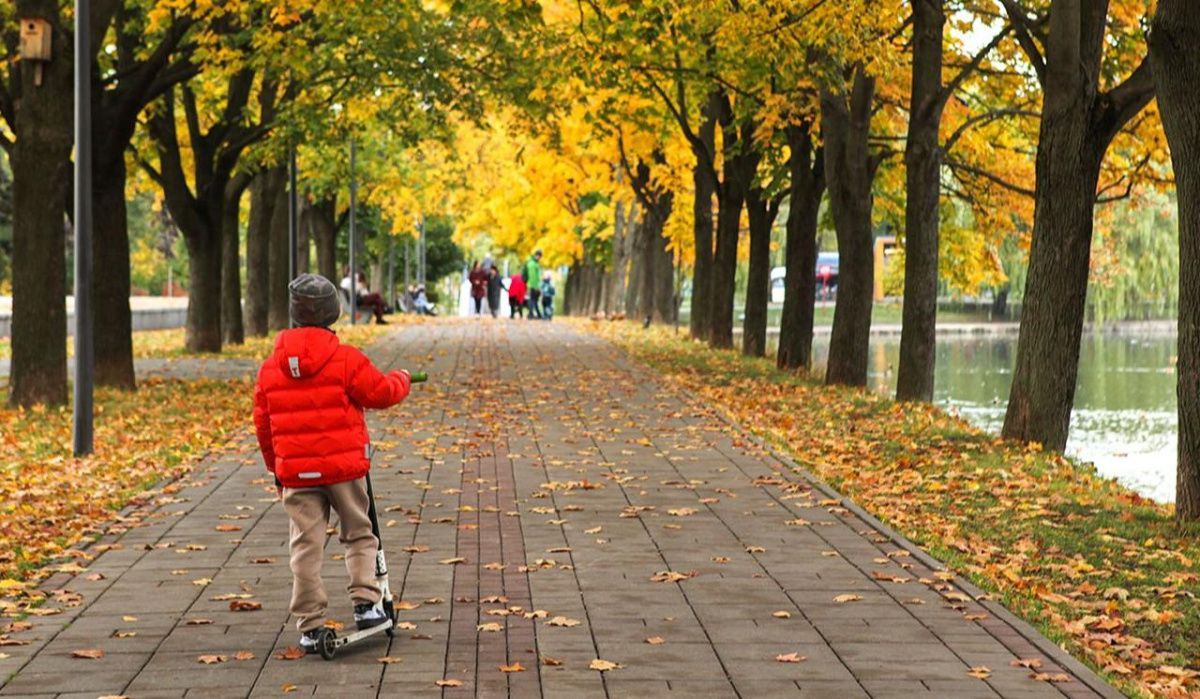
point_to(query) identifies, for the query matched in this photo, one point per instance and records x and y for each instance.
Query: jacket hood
(303, 352)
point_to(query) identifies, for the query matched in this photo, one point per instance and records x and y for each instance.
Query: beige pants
(308, 509)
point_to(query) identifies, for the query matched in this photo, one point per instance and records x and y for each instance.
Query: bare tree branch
(957, 166)
(1025, 38)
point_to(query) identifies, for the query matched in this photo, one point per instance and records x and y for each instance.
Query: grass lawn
(170, 343)
(886, 313)
(1095, 566)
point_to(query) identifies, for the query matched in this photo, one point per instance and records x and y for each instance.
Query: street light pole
(353, 241)
(407, 270)
(84, 346)
(421, 255)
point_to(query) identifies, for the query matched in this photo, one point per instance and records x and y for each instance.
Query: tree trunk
(570, 291)
(304, 242)
(279, 258)
(663, 263)
(616, 276)
(1000, 303)
(204, 293)
(111, 284)
(1078, 124)
(41, 182)
(595, 287)
(846, 127)
(324, 227)
(645, 252)
(658, 266)
(730, 197)
(702, 206)
(1043, 387)
(923, 165)
(264, 193)
(1175, 50)
(800, 284)
(758, 282)
(633, 290)
(232, 328)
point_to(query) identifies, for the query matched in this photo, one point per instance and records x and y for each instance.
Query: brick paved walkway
(540, 498)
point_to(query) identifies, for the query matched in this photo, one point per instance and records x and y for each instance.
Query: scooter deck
(340, 641)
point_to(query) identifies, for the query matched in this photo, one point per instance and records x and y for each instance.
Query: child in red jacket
(308, 414)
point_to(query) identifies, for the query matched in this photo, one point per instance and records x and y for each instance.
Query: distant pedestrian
(494, 285)
(547, 297)
(366, 297)
(421, 301)
(532, 274)
(479, 283)
(516, 296)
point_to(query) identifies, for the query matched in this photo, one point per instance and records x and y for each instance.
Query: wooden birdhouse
(35, 44)
(35, 39)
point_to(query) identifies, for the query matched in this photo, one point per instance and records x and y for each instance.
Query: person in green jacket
(532, 274)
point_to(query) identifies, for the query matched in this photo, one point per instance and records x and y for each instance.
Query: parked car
(827, 278)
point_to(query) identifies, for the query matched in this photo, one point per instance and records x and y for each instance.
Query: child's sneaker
(310, 639)
(368, 614)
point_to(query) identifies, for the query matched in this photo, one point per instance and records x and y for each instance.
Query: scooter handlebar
(419, 377)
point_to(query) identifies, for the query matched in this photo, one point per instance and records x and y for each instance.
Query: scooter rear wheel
(389, 608)
(325, 644)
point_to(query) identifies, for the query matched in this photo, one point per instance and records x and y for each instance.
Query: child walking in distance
(547, 296)
(308, 414)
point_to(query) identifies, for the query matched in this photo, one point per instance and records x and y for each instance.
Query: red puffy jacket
(516, 288)
(308, 408)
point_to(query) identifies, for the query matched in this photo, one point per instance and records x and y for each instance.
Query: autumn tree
(1092, 71)
(197, 202)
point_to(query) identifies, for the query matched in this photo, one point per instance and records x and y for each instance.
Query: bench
(361, 314)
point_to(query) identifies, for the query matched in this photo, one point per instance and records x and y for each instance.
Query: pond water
(1124, 419)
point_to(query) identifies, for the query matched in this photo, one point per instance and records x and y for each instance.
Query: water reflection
(1124, 419)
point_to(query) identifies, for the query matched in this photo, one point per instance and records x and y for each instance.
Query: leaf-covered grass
(50, 501)
(170, 343)
(1097, 567)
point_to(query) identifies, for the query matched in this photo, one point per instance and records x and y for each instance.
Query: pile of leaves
(51, 501)
(1095, 566)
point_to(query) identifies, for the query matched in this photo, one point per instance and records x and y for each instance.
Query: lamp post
(421, 255)
(83, 441)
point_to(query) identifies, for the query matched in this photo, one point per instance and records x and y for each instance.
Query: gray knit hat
(313, 301)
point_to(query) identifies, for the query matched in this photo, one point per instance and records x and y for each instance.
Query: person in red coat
(479, 287)
(516, 296)
(308, 416)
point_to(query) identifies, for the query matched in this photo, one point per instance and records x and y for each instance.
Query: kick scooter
(328, 643)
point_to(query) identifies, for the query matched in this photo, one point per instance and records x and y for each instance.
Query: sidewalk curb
(1083, 673)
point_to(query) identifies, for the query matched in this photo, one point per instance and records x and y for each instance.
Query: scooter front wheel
(326, 645)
